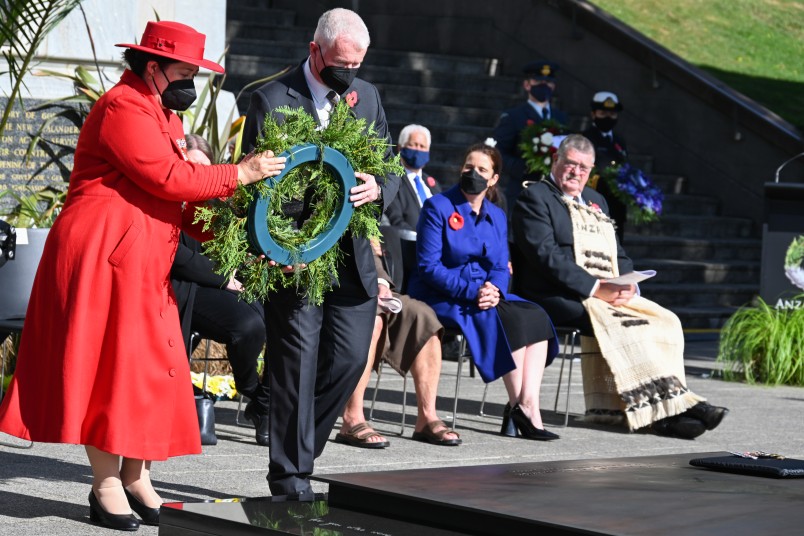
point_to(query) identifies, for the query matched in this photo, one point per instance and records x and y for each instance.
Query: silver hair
(406, 133)
(337, 22)
(577, 142)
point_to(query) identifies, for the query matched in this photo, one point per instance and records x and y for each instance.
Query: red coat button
(172, 372)
(171, 343)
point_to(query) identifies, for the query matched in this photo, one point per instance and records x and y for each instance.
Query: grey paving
(43, 491)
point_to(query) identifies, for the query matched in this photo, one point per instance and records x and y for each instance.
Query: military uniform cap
(541, 70)
(606, 100)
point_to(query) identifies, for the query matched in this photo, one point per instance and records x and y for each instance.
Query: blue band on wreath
(260, 237)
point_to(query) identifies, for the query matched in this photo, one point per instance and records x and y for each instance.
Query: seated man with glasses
(564, 251)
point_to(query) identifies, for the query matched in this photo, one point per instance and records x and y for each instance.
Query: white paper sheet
(632, 278)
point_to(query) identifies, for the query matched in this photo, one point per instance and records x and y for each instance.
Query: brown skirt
(406, 332)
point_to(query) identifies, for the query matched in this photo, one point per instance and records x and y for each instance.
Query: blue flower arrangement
(631, 186)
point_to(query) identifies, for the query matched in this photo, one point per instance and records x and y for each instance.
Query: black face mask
(473, 183)
(605, 124)
(179, 94)
(337, 79)
(541, 92)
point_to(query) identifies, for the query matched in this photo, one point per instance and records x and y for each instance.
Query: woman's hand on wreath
(364, 193)
(258, 166)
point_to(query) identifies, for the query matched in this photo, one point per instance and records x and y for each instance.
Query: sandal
(430, 435)
(354, 438)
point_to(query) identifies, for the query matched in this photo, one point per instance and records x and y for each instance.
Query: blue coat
(452, 266)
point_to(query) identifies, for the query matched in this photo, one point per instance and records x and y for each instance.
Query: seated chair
(20, 251)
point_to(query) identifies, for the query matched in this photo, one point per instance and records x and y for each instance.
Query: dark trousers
(316, 355)
(566, 312)
(222, 316)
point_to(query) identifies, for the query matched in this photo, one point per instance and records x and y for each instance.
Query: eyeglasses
(569, 164)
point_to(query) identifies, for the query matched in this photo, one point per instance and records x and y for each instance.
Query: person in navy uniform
(539, 83)
(610, 149)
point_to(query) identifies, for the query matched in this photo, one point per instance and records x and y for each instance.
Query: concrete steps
(674, 271)
(692, 249)
(694, 226)
(698, 295)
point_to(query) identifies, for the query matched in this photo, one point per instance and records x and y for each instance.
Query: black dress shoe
(679, 426)
(149, 516)
(527, 429)
(508, 427)
(262, 424)
(707, 413)
(113, 521)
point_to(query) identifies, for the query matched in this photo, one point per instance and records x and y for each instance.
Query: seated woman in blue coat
(462, 273)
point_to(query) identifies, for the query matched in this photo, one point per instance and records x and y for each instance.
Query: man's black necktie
(333, 98)
(545, 113)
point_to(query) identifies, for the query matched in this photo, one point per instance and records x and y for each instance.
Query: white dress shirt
(539, 106)
(319, 93)
(412, 179)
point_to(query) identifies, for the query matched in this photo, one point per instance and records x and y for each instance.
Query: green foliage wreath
(230, 248)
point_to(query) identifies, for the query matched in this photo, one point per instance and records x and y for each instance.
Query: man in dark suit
(414, 152)
(610, 149)
(542, 255)
(546, 271)
(316, 354)
(539, 83)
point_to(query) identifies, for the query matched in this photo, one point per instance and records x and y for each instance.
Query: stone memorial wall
(66, 47)
(50, 161)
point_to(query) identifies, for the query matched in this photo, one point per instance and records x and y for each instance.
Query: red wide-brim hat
(175, 41)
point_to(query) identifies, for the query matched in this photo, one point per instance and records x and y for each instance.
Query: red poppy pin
(430, 182)
(456, 221)
(351, 99)
(595, 207)
(530, 122)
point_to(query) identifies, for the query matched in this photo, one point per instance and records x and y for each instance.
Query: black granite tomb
(642, 495)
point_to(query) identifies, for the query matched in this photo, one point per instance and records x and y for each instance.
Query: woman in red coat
(101, 361)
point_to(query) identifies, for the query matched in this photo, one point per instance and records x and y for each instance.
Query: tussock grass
(760, 344)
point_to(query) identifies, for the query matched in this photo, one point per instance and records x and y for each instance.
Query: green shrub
(761, 344)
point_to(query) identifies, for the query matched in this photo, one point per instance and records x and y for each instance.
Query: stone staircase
(707, 265)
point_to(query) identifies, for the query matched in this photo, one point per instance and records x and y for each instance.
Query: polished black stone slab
(654, 495)
(270, 515)
(626, 496)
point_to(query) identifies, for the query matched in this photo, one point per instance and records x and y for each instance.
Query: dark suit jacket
(292, 90)
(507, 134)
(403, 212)
(543, 257)
(607, 151)
(190, 269)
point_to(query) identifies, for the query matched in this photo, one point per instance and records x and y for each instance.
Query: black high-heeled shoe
(113, 521)
(149, 516)
(508, 427)
(527, 428)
